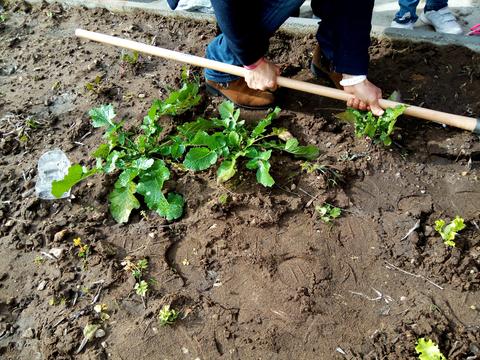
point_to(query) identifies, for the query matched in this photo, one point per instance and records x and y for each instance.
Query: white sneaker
(442, 20)
(397, 25)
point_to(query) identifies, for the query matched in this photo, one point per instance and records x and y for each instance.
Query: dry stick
(415, 227)
(414, 275)
(462, 122)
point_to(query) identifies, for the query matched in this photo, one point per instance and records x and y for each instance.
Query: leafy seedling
(377, 128)
(167, 316)
(83, 250)
(89, 332)
(449, 232)
(131, 59)
(428, 350)
(327, 212)
(138, 270)
(95, 87)
(102, 311)
(330, 174)
(39, 260)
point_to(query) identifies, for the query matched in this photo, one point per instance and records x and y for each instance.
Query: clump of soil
(257, 276)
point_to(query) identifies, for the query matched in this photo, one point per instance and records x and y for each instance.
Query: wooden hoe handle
(462, 122)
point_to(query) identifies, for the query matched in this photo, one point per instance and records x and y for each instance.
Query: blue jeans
(274, 15)
(408, 9)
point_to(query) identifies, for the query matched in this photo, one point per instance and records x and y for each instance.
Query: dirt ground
(260, 277)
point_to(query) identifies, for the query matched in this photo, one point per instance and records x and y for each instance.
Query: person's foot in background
(442, 20)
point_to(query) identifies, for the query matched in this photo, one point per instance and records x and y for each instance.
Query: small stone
(428, 230)
(464, 173)
(104, 344)
(28, 334)
(403, 298)
(42, 285)
(141, 96)
(185, 350)
(60, 235)
(99, 333)
(9, 223)
(56, 252)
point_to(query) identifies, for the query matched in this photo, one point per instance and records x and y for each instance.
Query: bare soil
(259, 277)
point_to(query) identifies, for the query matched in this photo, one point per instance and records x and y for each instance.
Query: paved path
(467, 11)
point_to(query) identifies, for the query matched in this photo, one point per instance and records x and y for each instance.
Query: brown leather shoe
(240, 94)
(321, 67)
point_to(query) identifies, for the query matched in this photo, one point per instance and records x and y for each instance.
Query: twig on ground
(51, 257)
(388, 299)
(388, 266)
(415, 227)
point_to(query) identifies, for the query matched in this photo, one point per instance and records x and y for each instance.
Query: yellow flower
(77, 242)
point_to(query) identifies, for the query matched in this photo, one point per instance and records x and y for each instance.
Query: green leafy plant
(428, 350)
(167, 316)
(449, 232)
(141, 157)
(138, 270)
(95, 86)
(131, 59)
(3, 18)
(327, 212)
(377, 128)
(102, 311)
(227, 140)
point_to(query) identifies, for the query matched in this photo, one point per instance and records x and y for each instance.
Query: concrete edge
(298, 26)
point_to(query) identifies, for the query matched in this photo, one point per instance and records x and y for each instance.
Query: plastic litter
(52, 165)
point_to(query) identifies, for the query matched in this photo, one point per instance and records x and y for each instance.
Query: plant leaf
(428, 350)
(263, 174)
(102, 151)
(122, 202)
(172, 207)
(200, 158)
(143, 163)
(262, 125)
(226, 170)
(102, 116)
(151, 182)
(75, 174)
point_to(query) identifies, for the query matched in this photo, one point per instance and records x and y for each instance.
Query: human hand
(263, 76)
(366, 96)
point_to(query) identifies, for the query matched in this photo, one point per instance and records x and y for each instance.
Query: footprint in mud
(296, 273)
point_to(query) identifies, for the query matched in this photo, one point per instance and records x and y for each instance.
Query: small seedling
(3, 18)
(131, 59)
(331, 175)
(428, 350)
(448, 232)
(83, 250)
(167, 316)
(39, 260)
(376, 128)
(89, 332)
(101, 310)
(138, 271)
(54, 301)
(95, 86)
(141, 288)
(327, 212)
